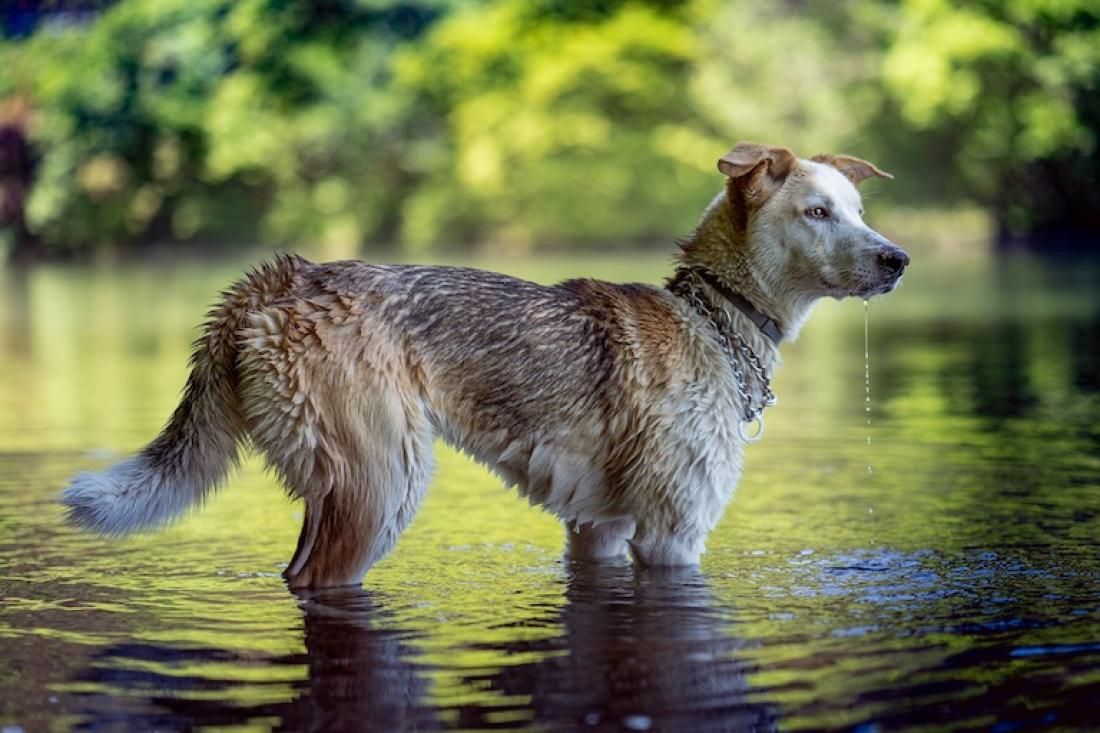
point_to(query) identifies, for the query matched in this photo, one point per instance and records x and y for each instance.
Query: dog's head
(802, 222)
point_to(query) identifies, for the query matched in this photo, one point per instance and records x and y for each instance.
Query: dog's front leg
(600, 542)
(667, 544)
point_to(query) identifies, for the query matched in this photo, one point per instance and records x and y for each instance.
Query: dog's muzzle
(892, 259)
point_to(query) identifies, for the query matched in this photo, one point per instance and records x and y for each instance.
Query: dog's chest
(707, 413)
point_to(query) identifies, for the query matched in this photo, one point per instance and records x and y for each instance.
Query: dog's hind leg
(355, 524)
(341, 419)
(355, 447)
(310, 526)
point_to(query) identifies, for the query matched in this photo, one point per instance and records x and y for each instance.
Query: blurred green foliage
(1002, 99)
(443, 123)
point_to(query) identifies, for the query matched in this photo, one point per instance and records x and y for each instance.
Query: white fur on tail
(177, 470)
(129, 496)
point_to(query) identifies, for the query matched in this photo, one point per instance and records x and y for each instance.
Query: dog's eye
(817, 212)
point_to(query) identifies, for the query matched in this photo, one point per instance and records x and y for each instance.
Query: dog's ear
(745, 157)
(854, 169)
(759, 169)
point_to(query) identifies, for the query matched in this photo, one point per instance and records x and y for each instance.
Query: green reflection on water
(975, 532)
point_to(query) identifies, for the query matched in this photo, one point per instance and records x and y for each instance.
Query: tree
(535, 122)
(1004, 98)
(605, 126)
(181, 119)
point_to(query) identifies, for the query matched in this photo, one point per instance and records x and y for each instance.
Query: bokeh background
(346, 127)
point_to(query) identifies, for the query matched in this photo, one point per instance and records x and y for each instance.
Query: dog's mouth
(886, 286)
(865, 288)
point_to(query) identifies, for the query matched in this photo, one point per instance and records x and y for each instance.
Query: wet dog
(622, 409)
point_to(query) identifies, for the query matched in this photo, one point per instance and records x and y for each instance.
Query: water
(968, 599)
(867, 378)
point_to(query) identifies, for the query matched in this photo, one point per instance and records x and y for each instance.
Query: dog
(622, 409)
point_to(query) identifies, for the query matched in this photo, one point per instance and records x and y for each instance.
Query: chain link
(719, 320)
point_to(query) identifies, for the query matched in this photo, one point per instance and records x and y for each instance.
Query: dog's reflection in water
(645, 650)
(363, 673)
(641, 650)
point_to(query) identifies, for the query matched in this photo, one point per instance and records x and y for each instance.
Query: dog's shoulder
(644, 327)
(648, 309)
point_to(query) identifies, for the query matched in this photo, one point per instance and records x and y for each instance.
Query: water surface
(958, 586)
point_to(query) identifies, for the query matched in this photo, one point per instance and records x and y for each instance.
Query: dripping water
(867, 380)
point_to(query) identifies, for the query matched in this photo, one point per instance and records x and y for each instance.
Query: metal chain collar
(719, 320)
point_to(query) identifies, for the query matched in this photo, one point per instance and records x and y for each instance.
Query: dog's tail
(199, 445)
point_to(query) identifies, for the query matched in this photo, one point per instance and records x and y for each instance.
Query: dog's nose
(894, 259)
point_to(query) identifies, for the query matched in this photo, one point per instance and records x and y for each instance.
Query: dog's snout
(893, 259)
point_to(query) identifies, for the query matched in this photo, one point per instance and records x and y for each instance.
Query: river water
(956, 587)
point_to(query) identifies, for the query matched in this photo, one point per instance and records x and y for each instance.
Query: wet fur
(612, 406)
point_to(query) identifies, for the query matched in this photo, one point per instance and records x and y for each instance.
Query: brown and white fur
(612, 406)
